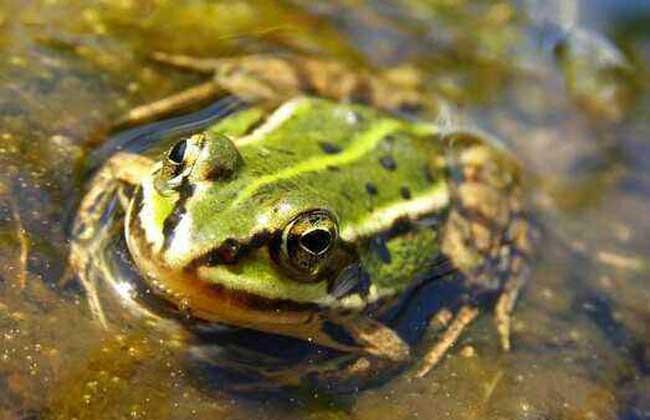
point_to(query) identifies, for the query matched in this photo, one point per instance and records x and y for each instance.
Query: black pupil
(177, 153)
(317, 241)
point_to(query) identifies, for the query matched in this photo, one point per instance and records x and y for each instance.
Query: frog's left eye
(174, 165)
(176, 154)
(176, 157)
(308, 242)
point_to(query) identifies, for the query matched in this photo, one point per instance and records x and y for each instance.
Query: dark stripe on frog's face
(185, 191)
(231, 251)
(136, 233)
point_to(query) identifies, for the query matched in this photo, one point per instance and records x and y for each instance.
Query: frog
(321, 199)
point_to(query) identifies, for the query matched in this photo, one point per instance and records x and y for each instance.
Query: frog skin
(312, 210)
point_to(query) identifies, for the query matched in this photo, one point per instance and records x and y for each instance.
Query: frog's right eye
(307, 244)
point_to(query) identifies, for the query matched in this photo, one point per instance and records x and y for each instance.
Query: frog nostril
(316, 241)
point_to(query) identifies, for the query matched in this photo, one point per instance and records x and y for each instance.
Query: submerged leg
(199, 65)
(377, 339)
(98, 221)
(275, 78)
(169, 104)
(504, 306)
(462, 319)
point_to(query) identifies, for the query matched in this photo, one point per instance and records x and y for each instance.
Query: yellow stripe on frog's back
(276, 119)
(361, 145)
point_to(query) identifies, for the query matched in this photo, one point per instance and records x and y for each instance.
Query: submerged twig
(620, 261)
(23, 240)
(21, 235)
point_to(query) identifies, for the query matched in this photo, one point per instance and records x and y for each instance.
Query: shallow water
(581, 345)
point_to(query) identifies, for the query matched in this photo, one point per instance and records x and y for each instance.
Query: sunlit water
(581, 345)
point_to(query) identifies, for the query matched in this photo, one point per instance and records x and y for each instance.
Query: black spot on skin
(389, 139)
(379, 248)
(330, 148)
(371, 188)
(388, 162)
(405, 193)
(333, 168)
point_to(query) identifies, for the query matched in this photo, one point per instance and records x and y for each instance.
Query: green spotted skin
(371, 172)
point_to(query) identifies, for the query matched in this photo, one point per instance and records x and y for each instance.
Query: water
(581, 346)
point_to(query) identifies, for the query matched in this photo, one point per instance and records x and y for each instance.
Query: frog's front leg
(98, 219)
(368, 350)
(506, 303)
(373, 338)
(379, 352)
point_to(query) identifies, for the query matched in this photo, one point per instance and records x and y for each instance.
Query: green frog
(321, 201)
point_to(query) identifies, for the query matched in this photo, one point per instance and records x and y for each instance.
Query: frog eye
(176, 154)
(307, 243)
(177, 163)
(174, 163)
